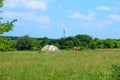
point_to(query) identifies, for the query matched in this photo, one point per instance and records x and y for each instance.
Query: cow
(77, 48)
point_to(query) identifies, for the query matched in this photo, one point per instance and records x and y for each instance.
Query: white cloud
(90, 16)
(84, 20)
(28, 17)
(37, 5)
(109, 20)
(30, 4)
(91, 20)
(115, 17)
(14, 14)
(77, 15)
(105, 8)
(40, 19)
(103, 23)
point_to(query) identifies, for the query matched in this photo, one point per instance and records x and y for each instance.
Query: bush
(92, 45)
(109, 43)
(35, 48)
(5, 44)
(115, 72)
(24, 43)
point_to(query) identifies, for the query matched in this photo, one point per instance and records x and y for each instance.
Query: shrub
(5, 44)
(115, 72)
(24, 43)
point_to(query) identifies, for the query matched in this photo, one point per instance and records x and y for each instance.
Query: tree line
(83, 41)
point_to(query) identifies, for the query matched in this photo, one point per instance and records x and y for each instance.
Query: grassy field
(63, 65)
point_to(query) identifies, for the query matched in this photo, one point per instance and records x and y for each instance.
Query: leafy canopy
(5, 26)
(5, 44)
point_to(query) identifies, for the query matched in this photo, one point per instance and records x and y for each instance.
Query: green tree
(99, 43)
(117, 42)
(24, 43)
(83, 40)
(36, 45)
(5, 44)
(54, 42)
(61, 42)
(109, 43)
(45, 41)
(5, 27)
(1, 3)
(93, 45)
(69, 44)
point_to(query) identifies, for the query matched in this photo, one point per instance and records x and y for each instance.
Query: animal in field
(77, 48)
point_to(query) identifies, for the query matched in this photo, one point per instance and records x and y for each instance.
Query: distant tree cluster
(81, 40)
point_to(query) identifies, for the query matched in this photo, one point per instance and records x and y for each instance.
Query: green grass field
(63, 65)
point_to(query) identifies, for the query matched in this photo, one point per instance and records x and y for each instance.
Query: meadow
(63, 65)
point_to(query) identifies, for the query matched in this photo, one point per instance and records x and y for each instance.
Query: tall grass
(64, 65)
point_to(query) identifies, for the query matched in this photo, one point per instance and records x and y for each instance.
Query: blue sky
(39, 18)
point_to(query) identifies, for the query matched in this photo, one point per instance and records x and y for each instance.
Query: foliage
(6, 26)
(1, 3)
(36, 44)
(93, 45)
(69, 44)
(115, 72)
(117, 43)
(44, 41)
(5, 44)
(24, 43)
(83, 40)
(54, 42)
(86, 42)
(109, 43)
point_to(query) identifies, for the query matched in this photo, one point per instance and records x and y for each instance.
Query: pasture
(63, 65)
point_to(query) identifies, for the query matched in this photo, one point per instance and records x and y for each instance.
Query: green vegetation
(115, 70)
(24, 43)
(64, 65)
(81, 40)
(5, 44)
